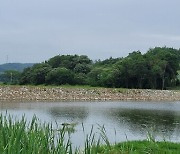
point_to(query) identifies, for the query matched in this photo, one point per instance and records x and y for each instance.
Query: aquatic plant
(22, 137)
(18, 136)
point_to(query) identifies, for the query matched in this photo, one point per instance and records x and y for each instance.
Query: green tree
(36, 74)
(163, 64)
(80, 79)
(68, 61)
(39, 72)
(136, 69)
(59, 76)
(10, 77)
(101, 77)
(94, 77)
(82, 68)
(155, 69)
(26, 76)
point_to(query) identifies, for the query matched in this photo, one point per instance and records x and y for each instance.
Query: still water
(122, 120)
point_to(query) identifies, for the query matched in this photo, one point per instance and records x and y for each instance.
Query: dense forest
(156, 69)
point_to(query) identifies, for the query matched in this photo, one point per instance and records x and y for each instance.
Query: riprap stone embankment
(33, 93)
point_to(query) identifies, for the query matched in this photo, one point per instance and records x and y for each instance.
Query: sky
(36, 30)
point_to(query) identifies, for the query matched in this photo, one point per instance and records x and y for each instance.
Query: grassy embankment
(19, 136)
(87, 87)
(53, 86)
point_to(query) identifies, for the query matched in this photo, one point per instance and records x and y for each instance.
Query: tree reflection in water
(71, 113)
(166, 123)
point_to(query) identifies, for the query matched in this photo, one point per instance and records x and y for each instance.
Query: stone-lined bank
(28, 93)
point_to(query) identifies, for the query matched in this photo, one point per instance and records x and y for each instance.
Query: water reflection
(71, 113)
(131, 118)
(161, 122)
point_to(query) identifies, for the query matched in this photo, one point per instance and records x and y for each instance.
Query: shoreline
(45, 93)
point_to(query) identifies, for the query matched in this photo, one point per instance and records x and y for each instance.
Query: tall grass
(18, 136)
(22, 137)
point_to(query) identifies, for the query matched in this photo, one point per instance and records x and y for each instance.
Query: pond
(122, 120)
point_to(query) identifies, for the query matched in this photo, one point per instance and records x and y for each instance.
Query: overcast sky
(36, 30)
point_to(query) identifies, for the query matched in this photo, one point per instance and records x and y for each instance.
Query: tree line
(156, 69)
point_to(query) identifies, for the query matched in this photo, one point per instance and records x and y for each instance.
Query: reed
(18, 136)
(22, 137)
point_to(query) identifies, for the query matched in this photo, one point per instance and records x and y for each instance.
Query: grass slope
(142, 147)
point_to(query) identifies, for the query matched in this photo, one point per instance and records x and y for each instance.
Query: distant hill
(15, 66)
